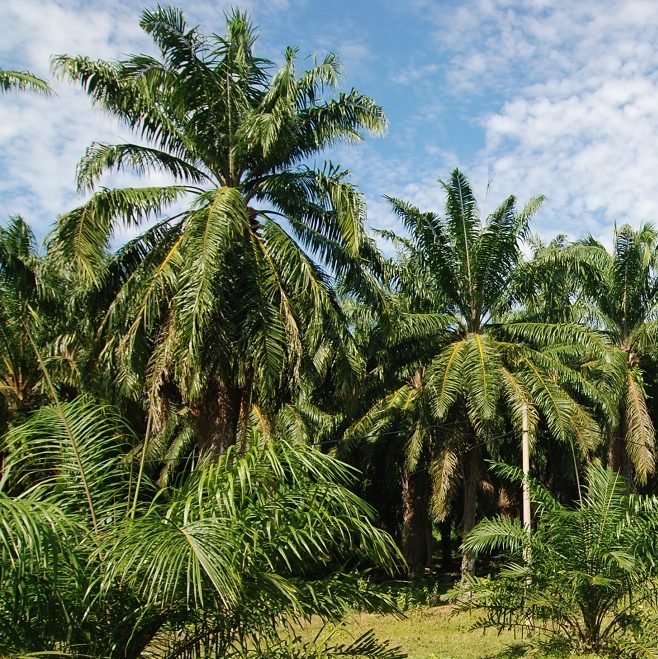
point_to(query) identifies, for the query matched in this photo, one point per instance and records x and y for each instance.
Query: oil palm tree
(97, 561)
(24, 292)
(623, 293)
(591, 584)
(223, 296)
(484, 368)
(383, 425)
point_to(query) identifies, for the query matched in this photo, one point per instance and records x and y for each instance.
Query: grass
(431, 629)
(430, 633)
(436, 633)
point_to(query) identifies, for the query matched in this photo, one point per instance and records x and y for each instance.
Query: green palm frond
(211, 231)
(445, 476)
(101, 158)
(189, 549)
(72, 454)
(463, 222)
(31, 530)
(592, 565)
(497, 534)
(445, 377)
(519, 401)
(481, 370)
(22, 80)
(565, 418)
(82, 236)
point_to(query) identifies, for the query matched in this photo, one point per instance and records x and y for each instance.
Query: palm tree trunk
(416, 523)
(245, 411)
(618, 458)
(471, 477)
(445, 527)
(216, 416)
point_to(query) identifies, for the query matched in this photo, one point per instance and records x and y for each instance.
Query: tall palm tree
(384, 427)
(484, 368)
(223, 296)
(623, 294)
(24, 308)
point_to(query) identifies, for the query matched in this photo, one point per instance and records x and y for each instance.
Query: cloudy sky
(528, 97)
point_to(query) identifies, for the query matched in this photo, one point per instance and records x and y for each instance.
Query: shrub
(589, 581)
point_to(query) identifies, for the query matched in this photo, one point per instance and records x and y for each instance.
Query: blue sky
(528, 97)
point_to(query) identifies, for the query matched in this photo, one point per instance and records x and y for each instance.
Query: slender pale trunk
(471, 478)
(525, 459)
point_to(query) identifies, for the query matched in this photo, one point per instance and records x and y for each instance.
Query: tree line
(255, 321)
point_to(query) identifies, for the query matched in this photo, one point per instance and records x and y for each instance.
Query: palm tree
(220, 300)
(591, 583)
(623, 293)
(384, 426)
(97, 561)
(484, 368)
(24, 292)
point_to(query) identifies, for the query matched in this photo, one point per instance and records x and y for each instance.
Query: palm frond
(640, 434)
(81, 238)
(22, 80)
(101, 158)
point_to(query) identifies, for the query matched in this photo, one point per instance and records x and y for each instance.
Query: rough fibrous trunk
(618, 458)
(416, 523)
(216, 417)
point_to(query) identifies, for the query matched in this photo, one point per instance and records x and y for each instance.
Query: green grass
(433, 633)
(436, 633)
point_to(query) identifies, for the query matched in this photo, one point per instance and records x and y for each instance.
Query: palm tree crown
(623, 291)
(484, 367)
(228, 289)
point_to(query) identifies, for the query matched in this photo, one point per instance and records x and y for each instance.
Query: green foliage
(363, 647)
(28, 294)
(470, 366)
(586, 578)
(236, 137)
(227, 559)
(616, 293)
(22, 80)
(418, 594)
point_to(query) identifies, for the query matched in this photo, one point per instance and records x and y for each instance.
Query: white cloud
(42, 139)
(561, 98)
(572, 92)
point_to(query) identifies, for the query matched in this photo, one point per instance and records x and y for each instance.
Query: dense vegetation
(193, 423)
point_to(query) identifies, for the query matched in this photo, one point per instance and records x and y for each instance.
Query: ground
(437, 633)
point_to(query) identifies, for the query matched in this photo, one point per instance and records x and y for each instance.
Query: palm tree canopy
(472, 262)
(468, 267)
(622, 291)
(231, 287)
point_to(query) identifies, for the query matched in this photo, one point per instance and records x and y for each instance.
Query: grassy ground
(431, 633)
(431, 629)
(435, 633)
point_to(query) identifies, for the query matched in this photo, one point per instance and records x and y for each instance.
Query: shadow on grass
(511, 652)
